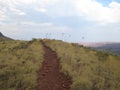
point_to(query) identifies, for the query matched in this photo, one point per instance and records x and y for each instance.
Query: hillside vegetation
(19, 63)
(89, 69)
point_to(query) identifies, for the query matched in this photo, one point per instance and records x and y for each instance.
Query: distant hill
(2, 37)
(111, 47)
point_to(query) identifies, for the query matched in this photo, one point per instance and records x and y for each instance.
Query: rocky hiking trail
(49, 75)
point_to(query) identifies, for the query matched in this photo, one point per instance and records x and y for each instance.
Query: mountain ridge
(111, 47)
(97, 44)
(3, 37)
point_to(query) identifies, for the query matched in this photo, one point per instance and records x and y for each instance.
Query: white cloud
(10, 29)
(44, 26)
(28, 30)
(17, 6)
(93, 10)
(89, 9)
(29, 23)
(17, 11)
(47, 2)
(8, 7)
(39, 9)
(26, 1)
(16, 27)
(2, 15)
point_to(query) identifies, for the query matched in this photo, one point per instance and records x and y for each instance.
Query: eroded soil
(49, 76)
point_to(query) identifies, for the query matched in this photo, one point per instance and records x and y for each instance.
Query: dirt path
(49, 76)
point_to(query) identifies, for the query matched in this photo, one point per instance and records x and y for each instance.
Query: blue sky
(68, 20)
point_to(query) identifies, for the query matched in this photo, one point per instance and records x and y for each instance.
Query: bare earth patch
(49, 76)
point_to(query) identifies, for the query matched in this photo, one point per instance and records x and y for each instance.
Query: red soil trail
(49, 76)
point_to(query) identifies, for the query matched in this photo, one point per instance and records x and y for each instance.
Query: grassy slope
(19, 61)
(90, 70)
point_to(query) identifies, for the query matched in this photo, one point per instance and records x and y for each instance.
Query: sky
(68, 20)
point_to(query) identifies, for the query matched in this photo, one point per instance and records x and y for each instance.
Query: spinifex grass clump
(89, 69)
(19, 63)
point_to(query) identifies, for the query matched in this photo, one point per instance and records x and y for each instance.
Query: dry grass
(90, 70)
(19, 63)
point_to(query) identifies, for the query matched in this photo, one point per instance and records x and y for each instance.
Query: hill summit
(2, 37)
